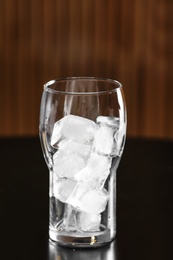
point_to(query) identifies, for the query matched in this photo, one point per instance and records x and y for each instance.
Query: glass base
(81, 240)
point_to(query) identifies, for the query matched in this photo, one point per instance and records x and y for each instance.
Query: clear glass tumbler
(82, 132)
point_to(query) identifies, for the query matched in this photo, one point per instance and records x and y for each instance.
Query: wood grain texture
(131, 41)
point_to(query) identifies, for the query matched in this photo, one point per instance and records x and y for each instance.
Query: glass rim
(116, 85)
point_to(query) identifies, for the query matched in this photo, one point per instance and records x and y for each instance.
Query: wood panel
(131, 41)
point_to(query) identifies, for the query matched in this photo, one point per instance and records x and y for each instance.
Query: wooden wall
(131, 41)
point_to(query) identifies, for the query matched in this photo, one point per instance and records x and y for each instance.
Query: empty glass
(82, 132)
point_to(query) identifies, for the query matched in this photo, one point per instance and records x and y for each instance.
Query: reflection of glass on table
(108, 252)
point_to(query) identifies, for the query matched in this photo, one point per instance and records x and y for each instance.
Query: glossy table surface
(144, 204)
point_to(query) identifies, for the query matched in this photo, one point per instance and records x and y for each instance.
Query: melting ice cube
(120, 138)
(104, 142)
(63, 188)
(86, 199)
(96, 171)
(67, 164)
(69, 219)
(75, 128)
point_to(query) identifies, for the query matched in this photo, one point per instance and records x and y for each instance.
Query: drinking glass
(82, 132)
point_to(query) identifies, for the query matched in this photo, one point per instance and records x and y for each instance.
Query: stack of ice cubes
(81, 166)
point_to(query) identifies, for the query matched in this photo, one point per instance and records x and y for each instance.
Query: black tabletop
(144, 204)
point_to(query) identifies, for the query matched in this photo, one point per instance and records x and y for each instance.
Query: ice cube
(75, 220)
(108, 121)
(88, 200)
(96, 171)
(75, 128)
(63, 188)
(66, 165)
(88, 221)
(104, 142)
(71, 146)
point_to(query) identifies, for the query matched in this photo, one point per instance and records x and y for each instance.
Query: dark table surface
(144, 204)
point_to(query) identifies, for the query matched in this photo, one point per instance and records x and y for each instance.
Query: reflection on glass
(57, 252)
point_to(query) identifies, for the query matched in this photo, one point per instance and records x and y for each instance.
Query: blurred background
(130, 41)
